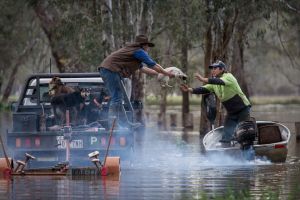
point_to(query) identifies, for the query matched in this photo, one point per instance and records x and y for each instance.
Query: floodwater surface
(172, 165)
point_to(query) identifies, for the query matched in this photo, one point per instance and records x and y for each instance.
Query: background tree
(20, 41)
(227, 26)
(143, 16)
(108, 40)
(252, 37)
(182, 26)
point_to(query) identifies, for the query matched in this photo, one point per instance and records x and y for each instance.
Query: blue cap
(217, 64)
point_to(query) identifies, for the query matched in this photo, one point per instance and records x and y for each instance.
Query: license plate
(75, 144)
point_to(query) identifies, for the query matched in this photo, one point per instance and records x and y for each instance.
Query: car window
(44, 93)
(31, 93)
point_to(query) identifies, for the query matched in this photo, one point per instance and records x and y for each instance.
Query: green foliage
(13, 30)
(75, 30)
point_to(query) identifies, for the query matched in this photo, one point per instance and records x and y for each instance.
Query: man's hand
(161, 70)
(201, 78)
(185, 88)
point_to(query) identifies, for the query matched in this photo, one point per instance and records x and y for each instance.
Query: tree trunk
(48, 21)
(204, 123)
(14, 71)
(10, 83)
(162, 109)
(237, 68)
(107, 26)
(138, 94)
(164, 91)
(1, 80)
(138, 80)
(208, 49)
(222, 29)
(184, 43)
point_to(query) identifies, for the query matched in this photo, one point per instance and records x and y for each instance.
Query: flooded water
(171, 165)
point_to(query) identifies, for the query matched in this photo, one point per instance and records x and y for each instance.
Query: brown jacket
(122, 61)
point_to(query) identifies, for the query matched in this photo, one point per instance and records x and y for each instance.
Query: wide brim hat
(142, 40)
(217, 64)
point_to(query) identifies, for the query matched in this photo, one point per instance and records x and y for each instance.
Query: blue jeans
(112, 81)
(232, 120)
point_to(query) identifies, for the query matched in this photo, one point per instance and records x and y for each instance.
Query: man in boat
(122, 64)
(227, 89)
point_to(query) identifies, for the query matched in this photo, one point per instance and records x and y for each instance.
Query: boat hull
(274, 151)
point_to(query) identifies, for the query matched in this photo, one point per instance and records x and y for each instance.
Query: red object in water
(7, 172)
(103, 171)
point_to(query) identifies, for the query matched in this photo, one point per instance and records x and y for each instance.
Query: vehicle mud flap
(111, 167)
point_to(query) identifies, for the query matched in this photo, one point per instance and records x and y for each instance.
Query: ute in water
(38, 145)
(267, 139)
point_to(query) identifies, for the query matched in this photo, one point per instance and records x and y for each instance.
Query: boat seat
(269, 134)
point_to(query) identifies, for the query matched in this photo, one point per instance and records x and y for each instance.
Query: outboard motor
(245, 134)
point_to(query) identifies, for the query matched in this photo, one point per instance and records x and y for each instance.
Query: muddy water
(171, 165)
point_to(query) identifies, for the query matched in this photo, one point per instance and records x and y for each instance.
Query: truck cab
(33, 120)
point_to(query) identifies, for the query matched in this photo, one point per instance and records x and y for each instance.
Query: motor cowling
(245, 134)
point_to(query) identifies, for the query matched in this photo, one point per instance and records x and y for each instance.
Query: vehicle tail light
(37, 142)
(278, 146)
(122, 141)
(113, 141)
(27, 142)
(18, 142)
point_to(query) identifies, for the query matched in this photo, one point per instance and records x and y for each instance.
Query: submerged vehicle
(268, 139)
(35, 131)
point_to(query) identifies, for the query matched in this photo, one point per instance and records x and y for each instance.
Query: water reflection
(167, 165)
(165, 168)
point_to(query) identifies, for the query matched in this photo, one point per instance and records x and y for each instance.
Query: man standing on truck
(122, 64)
(227, 89)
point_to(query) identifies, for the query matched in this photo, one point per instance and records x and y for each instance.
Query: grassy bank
(256, 100)
(260, 100)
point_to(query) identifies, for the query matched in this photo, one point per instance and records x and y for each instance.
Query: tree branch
(292, 61)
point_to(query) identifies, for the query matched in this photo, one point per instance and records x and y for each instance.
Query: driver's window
(44, 93)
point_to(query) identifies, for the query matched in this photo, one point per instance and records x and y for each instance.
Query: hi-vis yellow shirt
(229, 90)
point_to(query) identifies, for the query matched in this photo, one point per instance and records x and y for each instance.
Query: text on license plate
(74, 144)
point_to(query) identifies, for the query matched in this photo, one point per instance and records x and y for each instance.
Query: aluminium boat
(270, 141)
